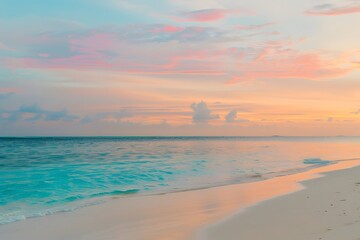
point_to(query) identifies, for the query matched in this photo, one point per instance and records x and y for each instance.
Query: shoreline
(325, 207)
(168, 216)
(76, 205)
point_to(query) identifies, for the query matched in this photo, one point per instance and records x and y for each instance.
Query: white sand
(180, 215)
(329, 208)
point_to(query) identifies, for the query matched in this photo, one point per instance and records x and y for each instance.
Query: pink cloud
(97, 50)
(274, 61)
(253, 27)
(84, 52)
(332, 10)
(208, 15)
(289, 64)
(167, 29)
(92, 42)
(190, 62)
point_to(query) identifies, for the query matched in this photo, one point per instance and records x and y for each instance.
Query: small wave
(116, 192)
(15, 216)
(18, 216)
(315, 161)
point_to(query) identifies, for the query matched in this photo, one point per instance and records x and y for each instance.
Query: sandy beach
(326, 209)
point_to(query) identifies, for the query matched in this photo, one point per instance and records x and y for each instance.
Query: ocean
(45, 175)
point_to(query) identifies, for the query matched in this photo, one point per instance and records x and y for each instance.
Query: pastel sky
(179, 67)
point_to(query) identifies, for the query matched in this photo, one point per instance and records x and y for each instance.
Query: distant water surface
(41, 176)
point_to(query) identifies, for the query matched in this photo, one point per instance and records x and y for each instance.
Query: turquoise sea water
(41, 176)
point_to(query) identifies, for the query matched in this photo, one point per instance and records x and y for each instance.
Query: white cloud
(201, 113)
(232, 117)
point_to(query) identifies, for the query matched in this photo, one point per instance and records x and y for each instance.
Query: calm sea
(41, 176)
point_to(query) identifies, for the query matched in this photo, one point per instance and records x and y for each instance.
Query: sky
(179, 67)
